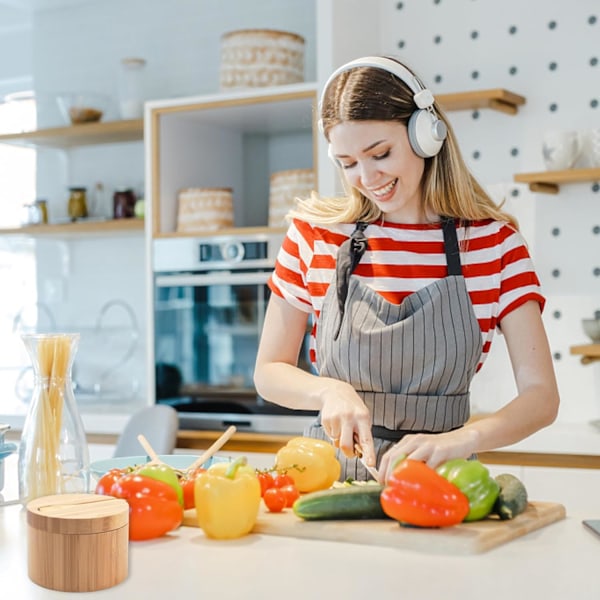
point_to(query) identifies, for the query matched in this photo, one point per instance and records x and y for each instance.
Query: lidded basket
(261, 58)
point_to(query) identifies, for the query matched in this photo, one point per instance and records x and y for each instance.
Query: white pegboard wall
(549, 53)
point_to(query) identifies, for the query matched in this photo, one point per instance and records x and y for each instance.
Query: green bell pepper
(474, 480)
(164, 473)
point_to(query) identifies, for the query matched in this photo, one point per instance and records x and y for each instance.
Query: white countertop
(559, 438)
(553, 563)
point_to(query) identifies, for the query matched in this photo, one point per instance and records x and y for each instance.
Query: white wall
(513, 45)
(79, 47)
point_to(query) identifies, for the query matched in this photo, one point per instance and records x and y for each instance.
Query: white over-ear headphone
(426, 131)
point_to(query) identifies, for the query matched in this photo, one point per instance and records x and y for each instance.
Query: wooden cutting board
(466, 538)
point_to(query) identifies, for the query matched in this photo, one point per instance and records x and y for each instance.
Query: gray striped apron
(412, 363)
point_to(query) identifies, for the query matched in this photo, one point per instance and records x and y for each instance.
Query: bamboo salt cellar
(77, 542)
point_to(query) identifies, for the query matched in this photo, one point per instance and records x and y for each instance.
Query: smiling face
(377, 160)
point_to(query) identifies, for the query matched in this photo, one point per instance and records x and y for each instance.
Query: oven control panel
(216, 252)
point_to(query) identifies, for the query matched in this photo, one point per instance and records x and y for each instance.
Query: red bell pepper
(416, 495)
(154, 507)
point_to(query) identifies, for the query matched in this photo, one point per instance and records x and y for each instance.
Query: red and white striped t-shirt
(401, 259)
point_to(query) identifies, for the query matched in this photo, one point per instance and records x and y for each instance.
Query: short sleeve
(519, 282)
(288, 279)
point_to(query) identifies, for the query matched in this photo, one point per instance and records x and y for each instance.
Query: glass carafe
(53, 453)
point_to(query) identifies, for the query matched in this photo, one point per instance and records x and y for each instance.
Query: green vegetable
(164, 473)
(475, 482)
(512, 499)
(351, 502)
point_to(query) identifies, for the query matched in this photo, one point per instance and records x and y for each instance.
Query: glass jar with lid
(131, 88)
(77, 208)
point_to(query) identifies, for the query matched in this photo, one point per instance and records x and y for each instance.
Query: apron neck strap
(451, 246)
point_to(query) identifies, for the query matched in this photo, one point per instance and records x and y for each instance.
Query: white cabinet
(235, 140)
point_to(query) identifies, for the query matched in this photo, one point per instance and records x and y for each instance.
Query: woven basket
(261, 57)
(285, 187)
(204, 209)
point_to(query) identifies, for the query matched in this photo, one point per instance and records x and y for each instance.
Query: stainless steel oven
(210, 296)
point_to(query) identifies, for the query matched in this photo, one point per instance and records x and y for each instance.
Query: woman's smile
(382, 193)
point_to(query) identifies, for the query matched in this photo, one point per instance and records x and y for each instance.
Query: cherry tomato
(283, 479)
(291, 494)
(274, 499)
(187, 484)
(266, 481)
(107, 480)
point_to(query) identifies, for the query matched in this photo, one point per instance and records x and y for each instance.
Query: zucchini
(512, 499)
(352, 502)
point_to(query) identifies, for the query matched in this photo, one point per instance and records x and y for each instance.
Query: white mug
(591, 148)
(561, 149)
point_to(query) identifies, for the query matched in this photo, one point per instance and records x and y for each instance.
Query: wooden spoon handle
(216, 446)
(149, 450)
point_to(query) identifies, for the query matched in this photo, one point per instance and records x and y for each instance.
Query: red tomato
(107, 480)
(187, 483)
(291, 494)
(283, 479)
(266, 481)
(274, 499)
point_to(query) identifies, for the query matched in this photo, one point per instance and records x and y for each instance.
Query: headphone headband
(426, 131)
(422, 96)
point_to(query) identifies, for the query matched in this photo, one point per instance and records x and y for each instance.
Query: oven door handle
(217, 278)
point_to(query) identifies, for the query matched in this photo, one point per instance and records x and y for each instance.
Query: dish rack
(103, 367)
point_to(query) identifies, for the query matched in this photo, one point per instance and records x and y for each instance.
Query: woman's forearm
(529, 412)
(292, 387)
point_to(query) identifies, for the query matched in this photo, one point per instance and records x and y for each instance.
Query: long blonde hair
(449, 188)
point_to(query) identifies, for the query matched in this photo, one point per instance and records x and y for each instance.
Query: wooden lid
(77, 513)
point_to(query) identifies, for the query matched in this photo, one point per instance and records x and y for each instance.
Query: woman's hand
(431, 448)
(346, 419)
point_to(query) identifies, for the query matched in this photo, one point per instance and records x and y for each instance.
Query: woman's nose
(368, 174)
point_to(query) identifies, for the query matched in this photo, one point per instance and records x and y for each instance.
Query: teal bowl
(178, 461)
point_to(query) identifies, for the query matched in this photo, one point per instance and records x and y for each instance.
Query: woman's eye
(347, 166)
(382, 156)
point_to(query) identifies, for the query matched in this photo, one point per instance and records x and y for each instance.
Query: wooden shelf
(79, 227)
(223, 231)
(589, 352)
(547, 182)
(86, 134)
(495, 99)
(113, 132)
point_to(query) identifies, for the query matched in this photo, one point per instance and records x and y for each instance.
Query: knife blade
(359, 454)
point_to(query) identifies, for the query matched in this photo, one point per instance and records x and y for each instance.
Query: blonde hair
(449, 188)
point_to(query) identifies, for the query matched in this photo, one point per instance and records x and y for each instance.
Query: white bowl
(177, 461)
(591, 327)
(85, 107)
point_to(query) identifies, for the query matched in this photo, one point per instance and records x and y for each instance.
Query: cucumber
(512, 499)
(352, 502)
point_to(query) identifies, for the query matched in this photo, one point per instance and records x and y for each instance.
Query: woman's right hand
(346, 419)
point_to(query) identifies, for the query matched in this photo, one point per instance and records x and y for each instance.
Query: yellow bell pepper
(311, 462)
(227, 498)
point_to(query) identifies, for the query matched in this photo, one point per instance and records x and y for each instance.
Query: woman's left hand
(431, 448)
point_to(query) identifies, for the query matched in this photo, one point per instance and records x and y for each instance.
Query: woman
(406, 279)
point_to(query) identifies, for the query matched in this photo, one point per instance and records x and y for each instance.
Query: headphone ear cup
(426, 133)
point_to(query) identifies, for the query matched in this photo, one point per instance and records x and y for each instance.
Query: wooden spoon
(154, 460)
(216, 446)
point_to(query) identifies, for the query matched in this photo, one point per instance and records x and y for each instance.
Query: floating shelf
(114, 132)
(224, 231)
(495, 99)
(78, 228)
(547, 182)
(85, 134)
(589, 352)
